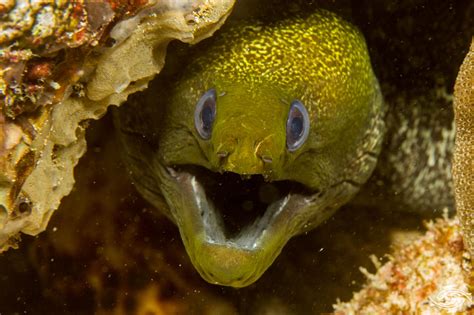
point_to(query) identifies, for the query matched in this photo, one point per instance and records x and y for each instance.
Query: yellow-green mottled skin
(320, 60)
(257, 69)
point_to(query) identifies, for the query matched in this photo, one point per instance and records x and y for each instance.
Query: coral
(43, 45)
(54, 76)
(426, 277)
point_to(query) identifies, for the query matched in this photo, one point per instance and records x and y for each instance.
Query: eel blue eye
(205, 114)
(297, 126)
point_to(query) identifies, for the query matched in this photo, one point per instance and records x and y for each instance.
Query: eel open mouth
(233, 226)
(240, 202)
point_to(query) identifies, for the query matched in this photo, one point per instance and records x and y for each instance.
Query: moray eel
(266, 130)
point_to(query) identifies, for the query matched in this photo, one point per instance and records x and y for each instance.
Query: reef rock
(63, 63)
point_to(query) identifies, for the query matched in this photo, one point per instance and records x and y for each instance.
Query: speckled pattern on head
(298, 51)
(258, 67)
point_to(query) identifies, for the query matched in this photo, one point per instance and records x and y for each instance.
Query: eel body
(264, 132)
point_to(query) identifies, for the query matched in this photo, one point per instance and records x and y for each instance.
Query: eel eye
(297, 126)
(205, 114)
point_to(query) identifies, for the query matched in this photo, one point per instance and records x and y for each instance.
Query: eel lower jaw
(223, 256)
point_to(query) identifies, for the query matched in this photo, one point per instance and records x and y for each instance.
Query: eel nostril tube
(267, 159)
(222, 154)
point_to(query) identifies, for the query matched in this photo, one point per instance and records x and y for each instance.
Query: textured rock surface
(109, 50)
(463, 165)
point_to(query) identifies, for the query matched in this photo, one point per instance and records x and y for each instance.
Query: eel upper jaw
(239, 260)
